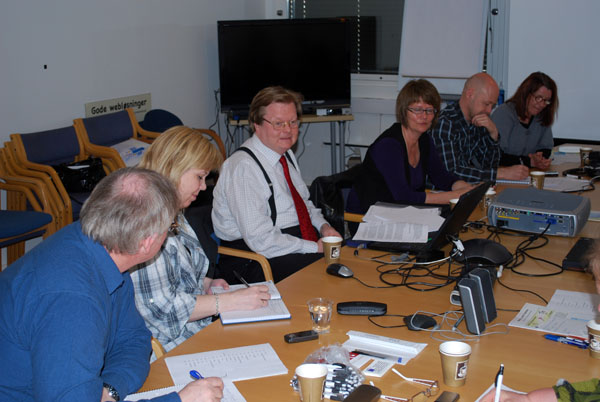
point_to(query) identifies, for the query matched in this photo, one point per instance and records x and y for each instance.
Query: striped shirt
(467, 151)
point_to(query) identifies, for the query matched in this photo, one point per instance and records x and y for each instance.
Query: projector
(532, 210)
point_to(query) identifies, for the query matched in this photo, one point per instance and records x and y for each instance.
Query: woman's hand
(256, 296)
(214, 283)
(538, 161)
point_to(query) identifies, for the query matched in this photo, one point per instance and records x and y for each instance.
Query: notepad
(272, 289)
(275, 310)
(230, 393)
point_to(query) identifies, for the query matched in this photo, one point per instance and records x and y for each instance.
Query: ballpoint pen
(241, 279)
(567, 340)
(196, 375)
(499, 378)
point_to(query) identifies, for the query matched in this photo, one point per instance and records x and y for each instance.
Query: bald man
(466, 137)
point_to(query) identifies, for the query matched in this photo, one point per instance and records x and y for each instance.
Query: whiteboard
(560, 38)
(442, 41)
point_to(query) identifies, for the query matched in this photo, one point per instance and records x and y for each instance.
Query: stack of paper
(393, 349)
(275, 310)
(566, 314)
(399, 224)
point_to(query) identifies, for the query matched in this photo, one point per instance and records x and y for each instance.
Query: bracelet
(217, 304)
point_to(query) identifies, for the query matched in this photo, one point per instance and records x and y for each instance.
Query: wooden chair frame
(110, 157)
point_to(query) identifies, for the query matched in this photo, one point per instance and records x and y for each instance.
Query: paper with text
(272, 289)
(392, 232)
(230, 393)
(233, 364)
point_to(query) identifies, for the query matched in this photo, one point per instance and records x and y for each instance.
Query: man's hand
(207, 390)
(538, 161)
(106, 397)
(515, 172)
(483, 120)
(326, 230)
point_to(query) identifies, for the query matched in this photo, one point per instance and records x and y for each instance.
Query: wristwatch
(112, 392)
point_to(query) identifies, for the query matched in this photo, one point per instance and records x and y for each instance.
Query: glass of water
(320, 310)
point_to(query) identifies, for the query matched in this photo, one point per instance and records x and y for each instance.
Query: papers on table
(398, 224)
(272, 289)
(564, 183)
(275, 310)
(243, 363)
(566, 314)
(230, 393)
(383, 347)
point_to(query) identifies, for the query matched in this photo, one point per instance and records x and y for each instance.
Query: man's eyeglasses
(279, 125)
(432, 389)
(539, 99)
(174, 228)
(419, 111)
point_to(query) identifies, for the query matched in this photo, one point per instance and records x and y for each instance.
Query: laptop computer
(451, 227)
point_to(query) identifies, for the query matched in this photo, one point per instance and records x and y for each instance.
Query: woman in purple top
(399, 162)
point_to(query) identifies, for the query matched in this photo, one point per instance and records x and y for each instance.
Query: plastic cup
(594, 338)
(320, 310)
(332, 248)
(453, 202)
(455, 358)
(311, 380)
(537, 179)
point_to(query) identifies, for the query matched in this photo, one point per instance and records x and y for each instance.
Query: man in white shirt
(249, 213)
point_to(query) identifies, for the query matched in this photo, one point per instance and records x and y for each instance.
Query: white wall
(560, 38)
(106, 49)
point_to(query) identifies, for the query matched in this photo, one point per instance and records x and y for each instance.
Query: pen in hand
(196, 375)
(241, 279)
(499, 378)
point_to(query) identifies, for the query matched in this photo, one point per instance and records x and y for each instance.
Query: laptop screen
(458, 216)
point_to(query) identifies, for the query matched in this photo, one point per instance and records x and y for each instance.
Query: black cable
(522, 290)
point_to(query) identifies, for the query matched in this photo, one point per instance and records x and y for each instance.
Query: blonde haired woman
(172, 291)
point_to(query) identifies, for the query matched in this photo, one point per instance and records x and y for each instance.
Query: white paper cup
(311, 380)
(455, 358)
(332, 248)
(537, 179)
(453, 202)
(594, 338)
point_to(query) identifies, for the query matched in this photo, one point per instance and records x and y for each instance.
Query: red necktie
(306, 227)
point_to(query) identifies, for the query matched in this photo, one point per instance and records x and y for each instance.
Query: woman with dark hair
(399, 162)
(525, 122)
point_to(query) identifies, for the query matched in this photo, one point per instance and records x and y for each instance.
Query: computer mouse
(417, 322)
(340, 270)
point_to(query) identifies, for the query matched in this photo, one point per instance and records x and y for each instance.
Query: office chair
(160, 120)
(16, 227)
(99, 133)
(34, 154)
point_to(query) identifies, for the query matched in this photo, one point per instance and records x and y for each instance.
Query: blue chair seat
(15, 223)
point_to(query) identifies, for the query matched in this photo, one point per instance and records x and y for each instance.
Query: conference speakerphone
(532, 210)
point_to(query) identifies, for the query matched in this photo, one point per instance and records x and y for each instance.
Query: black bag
(81, 177)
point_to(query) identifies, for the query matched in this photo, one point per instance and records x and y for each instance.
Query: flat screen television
(310, 56)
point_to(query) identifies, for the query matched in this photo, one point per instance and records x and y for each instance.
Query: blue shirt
(68, 323)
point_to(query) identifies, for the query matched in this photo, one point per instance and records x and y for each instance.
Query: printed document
(566, 314)
(243, 363)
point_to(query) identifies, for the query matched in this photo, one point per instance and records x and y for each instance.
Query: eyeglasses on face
(279, 125)
(539, 99)
(419, 111)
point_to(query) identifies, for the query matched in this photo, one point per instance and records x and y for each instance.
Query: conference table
(530, 360)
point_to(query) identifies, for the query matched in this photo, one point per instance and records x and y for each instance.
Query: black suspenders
(269, 182)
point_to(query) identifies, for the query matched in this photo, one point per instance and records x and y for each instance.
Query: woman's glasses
(431, 390)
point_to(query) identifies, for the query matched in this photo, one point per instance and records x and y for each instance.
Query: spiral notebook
(230, 393)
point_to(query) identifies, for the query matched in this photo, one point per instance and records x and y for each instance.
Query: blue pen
(196, 375)
(567, 341)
